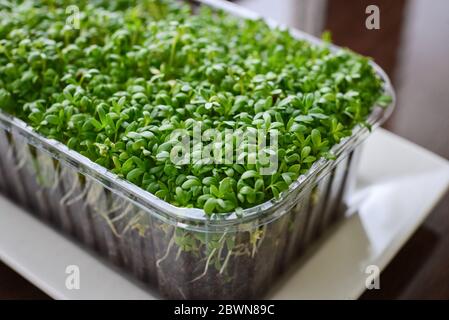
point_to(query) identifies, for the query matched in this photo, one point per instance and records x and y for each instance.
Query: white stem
(206, 268)
(223, 267)
(170, 245)
(69, 193)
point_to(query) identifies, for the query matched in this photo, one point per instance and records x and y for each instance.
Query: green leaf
(316, 137)
(191, 183)
(249, 174)
(162, 156)
(97, 125)
(246, 190)
(305, 152)
(209, 206)
(309, 159)
(134, 174)
(52, 119)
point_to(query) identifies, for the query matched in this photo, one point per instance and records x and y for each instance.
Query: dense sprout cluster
(135, 71)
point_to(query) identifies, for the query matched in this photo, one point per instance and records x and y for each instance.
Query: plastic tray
(178, 251)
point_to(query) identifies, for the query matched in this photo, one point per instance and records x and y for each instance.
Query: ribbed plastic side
(176, 262)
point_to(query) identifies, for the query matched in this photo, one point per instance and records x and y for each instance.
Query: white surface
(398, 185)
(42, 255)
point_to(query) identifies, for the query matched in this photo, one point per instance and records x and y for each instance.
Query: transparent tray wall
(178, 262)
(178, 256)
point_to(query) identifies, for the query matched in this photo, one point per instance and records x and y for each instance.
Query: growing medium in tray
(116, 80)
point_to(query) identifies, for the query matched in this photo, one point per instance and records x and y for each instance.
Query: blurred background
(412, 45)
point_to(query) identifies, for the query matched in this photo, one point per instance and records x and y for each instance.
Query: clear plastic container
(177, 251)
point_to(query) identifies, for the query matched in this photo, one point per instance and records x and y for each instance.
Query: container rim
(192, 218)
